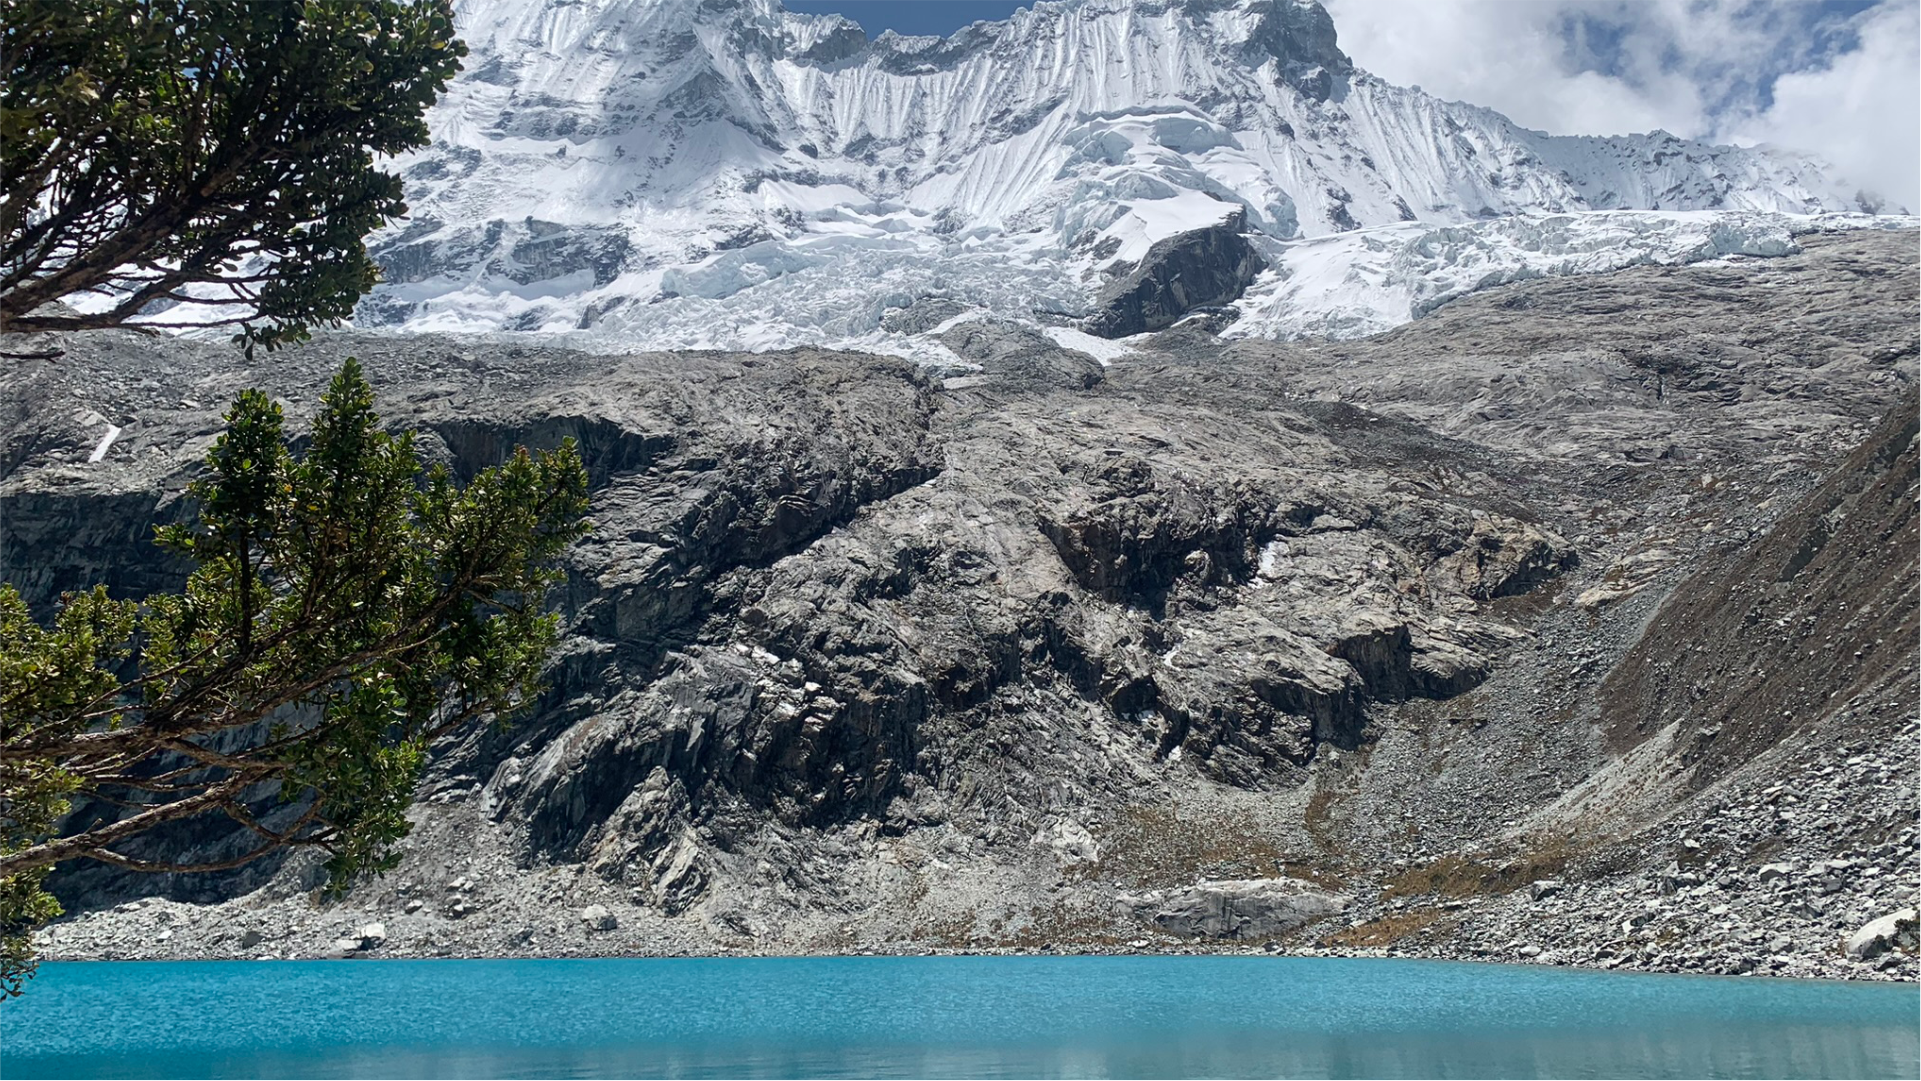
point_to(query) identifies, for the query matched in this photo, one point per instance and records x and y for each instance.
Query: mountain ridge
(603, 161)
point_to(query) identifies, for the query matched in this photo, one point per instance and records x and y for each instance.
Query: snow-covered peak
(601, 162)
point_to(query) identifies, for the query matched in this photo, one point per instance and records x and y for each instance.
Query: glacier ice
(727, 174)
(1353, 284)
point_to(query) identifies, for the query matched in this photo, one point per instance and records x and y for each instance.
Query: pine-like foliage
(218, 151)
(345, 611)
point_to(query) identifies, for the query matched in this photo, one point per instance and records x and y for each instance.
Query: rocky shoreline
(1804, 915)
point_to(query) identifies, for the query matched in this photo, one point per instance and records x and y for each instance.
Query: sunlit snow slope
(722, 173)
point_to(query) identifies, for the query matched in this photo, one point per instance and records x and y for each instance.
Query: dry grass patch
(1318, 817)
(1161, 846)
(1385, 930)
(1464, 876)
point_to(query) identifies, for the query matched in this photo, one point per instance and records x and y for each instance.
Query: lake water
(942, 1017)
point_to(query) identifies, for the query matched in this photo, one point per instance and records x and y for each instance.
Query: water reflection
(1759, 1052)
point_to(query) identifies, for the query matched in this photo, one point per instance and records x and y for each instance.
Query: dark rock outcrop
(1301, 39)
(811, 574)
(1195, 269)
(1018, 353)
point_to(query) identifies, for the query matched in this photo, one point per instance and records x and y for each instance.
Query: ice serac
(726, 173)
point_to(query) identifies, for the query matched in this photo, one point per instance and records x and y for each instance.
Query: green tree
(344, 611)
(219, 151)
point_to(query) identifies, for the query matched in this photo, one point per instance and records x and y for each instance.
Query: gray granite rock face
(1252, 910)
(861, 656)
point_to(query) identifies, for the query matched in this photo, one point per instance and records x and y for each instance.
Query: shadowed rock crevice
(606, 447)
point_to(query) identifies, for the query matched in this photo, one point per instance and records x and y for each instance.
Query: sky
(1837, 78)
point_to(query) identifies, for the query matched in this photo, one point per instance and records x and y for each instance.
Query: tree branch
(48, 853)
(154, 867)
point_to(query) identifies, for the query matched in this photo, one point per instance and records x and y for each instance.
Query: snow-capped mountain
(724, 173)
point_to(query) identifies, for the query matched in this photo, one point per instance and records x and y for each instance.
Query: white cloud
(1862, 113)
(1513, 57)
(1698, 68)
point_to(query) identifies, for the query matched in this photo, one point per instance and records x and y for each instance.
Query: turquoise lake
(942, 1017)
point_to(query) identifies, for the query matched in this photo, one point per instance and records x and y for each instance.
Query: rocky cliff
(1450, 640)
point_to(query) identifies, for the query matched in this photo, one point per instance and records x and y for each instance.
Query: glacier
(654, 174)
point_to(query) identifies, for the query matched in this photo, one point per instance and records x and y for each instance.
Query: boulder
(681, 876)
(368, 937)
(1018, 353)
(251, 938)
(1240, 909)
(1546, 887)
(1896, 930)
(598, 918)
(1506, 558)
(1069, 841)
